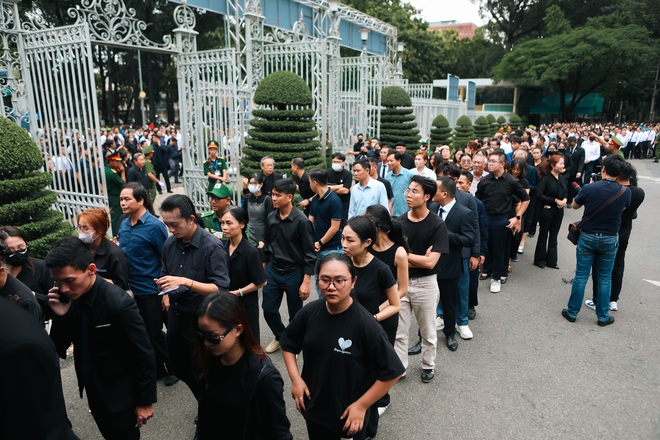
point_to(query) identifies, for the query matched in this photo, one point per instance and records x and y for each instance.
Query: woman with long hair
(111, 262)
(552, 193)
(246, 273)
(28, 270)
(241, 390)
(348, 362)
(518, 169)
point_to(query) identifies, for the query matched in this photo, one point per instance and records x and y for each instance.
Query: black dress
(548, 189)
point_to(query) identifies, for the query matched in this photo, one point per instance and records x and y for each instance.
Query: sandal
(503, 280)
(521, 249)
(510, 269)
(483, 276)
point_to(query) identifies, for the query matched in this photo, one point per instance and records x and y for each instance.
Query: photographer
(599, 238)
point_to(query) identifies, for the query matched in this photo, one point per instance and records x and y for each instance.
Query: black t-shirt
(388, 187)
(39, 282)
(18, 293)
(344, 177)
(244, 268)
(112, 263)
(372, 282)
(222, 406)
(637, 197)
(431, 231)
(344, 354)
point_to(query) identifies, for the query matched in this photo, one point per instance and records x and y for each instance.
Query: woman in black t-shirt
(242, 393)
(246, 273)
(348, 362)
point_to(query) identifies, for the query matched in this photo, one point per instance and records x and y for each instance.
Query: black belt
(604, 234)
(286, 270)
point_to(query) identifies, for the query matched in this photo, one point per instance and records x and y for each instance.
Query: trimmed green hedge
(17, 212)
(441, 133)
(18, 152)
(402, 118)
(274, 125)
(396, 111)
(283, 88)
(277, 115)
(394, 96)
(463, 132)
(482, 128)
(515, 122)
(398, 126)
(27, 185)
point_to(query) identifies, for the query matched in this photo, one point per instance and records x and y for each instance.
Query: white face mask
(336, 166)
(253, 188)
(87, 237)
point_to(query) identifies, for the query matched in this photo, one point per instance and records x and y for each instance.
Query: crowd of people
(391, 237)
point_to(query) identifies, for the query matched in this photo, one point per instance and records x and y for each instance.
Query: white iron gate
(209, 110)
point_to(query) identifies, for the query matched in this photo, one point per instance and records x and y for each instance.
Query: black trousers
(499, 237)
(181, 347)
(473, 300)
(391, 336)
(630, 150)
(252, 310)
(151, 310)
(450, 299)
(166, 178)
(619, 267)
(643, 151)
(113, 425)
(546, 244)
(588, 169)
(319, 432)
(531, 217)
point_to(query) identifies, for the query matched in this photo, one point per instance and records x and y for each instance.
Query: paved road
(527, 374)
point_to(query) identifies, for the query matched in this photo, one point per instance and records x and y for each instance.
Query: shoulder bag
(574, 228)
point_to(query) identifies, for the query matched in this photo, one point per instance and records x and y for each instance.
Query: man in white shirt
(367, 191)
(478, 173)
(591, 149)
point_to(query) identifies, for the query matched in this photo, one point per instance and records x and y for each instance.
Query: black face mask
(17, 259)
(591, 138)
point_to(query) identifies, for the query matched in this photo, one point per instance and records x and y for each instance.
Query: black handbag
(574, 228)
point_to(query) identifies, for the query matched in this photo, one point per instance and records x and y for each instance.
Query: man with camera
(599, 238)
(591, 149)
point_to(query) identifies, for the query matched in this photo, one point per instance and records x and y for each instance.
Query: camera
(596, 176)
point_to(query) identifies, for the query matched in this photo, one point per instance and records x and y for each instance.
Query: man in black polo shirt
(340, 181)
(407, 161)
(301, 179)
(599, 239)
(195, 264)
(290, 257)
(497, 191)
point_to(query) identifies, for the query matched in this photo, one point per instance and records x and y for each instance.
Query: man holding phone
(114, 360)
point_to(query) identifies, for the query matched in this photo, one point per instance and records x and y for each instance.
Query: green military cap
(220, 190)
(148, 149)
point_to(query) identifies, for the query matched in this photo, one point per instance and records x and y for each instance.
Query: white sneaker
(381, 410)
(589, 303)
(464, 331)
(613, 306)
(273, 347)
(495, 286)
(439, 323)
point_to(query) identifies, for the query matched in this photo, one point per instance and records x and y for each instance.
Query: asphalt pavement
(527, 374)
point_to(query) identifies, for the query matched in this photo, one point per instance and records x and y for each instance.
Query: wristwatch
(518, 217)
(320, 242)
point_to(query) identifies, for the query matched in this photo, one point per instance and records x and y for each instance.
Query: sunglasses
(213, 339)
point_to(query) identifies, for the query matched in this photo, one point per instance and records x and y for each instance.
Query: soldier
(115, 178)
(148, 152)
(215, 167)
(220, 197)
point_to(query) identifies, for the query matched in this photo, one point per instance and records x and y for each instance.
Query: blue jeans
(320, 255)
(602, 249)
(272, 293)
(464, 289)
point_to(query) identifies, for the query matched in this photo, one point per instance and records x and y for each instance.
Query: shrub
(501, 123)
(24, 202)
(515, 122)
(494, 126)
(463, 132)
(397, 121)
(441, 132)
(283, 129)
(482, 128)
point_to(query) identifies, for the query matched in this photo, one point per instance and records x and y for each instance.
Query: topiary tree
(524, 120)
(285, 129)
(482, 128)
(501, 123)
(494, 126)
(24, 201)
(463, 132)
(441, 132)
(515, 122)
(397, 121)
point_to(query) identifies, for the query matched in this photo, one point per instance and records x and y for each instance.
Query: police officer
(220, 198)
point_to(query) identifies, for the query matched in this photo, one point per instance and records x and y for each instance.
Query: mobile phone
(62, 298)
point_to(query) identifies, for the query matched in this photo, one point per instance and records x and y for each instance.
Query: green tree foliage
(501, 123)
(482, 128)
(284, 128)
(441, 132)
(494, 126)
(397, 121)
(515, 122)
(463, 133)
(24, 201)
(594, 58)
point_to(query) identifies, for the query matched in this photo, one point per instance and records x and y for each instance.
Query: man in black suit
(462, 233)
(31, 401)
(576, 168)
(115, 362)
(408, 162)
(161, 162)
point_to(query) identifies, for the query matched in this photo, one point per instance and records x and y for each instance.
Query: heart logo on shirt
(345, 343)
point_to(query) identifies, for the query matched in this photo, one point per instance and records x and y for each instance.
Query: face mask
(17, 259)
(87, 237)
(336, 166)
(253, 188)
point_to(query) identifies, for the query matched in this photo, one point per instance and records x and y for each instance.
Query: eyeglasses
(411, 191)
(84, 228)
(18, 252)
(213, 339)
(324, 283)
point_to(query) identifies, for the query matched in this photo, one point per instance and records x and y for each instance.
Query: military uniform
(212, 223)
(214, 167)
(149, 169)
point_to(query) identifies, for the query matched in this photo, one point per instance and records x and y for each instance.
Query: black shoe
(472, 313)
(427, 376)
(515, 258)
(170, 191)
(451, 343)
(609, 321)
(483, 277)
(541, 265)
(502, 280)
(554, 267)
(415, 349)
(569, 318)
(170, 379)
(530, 235)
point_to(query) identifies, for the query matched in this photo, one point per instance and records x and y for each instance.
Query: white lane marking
(655, 179)
(657, 283)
